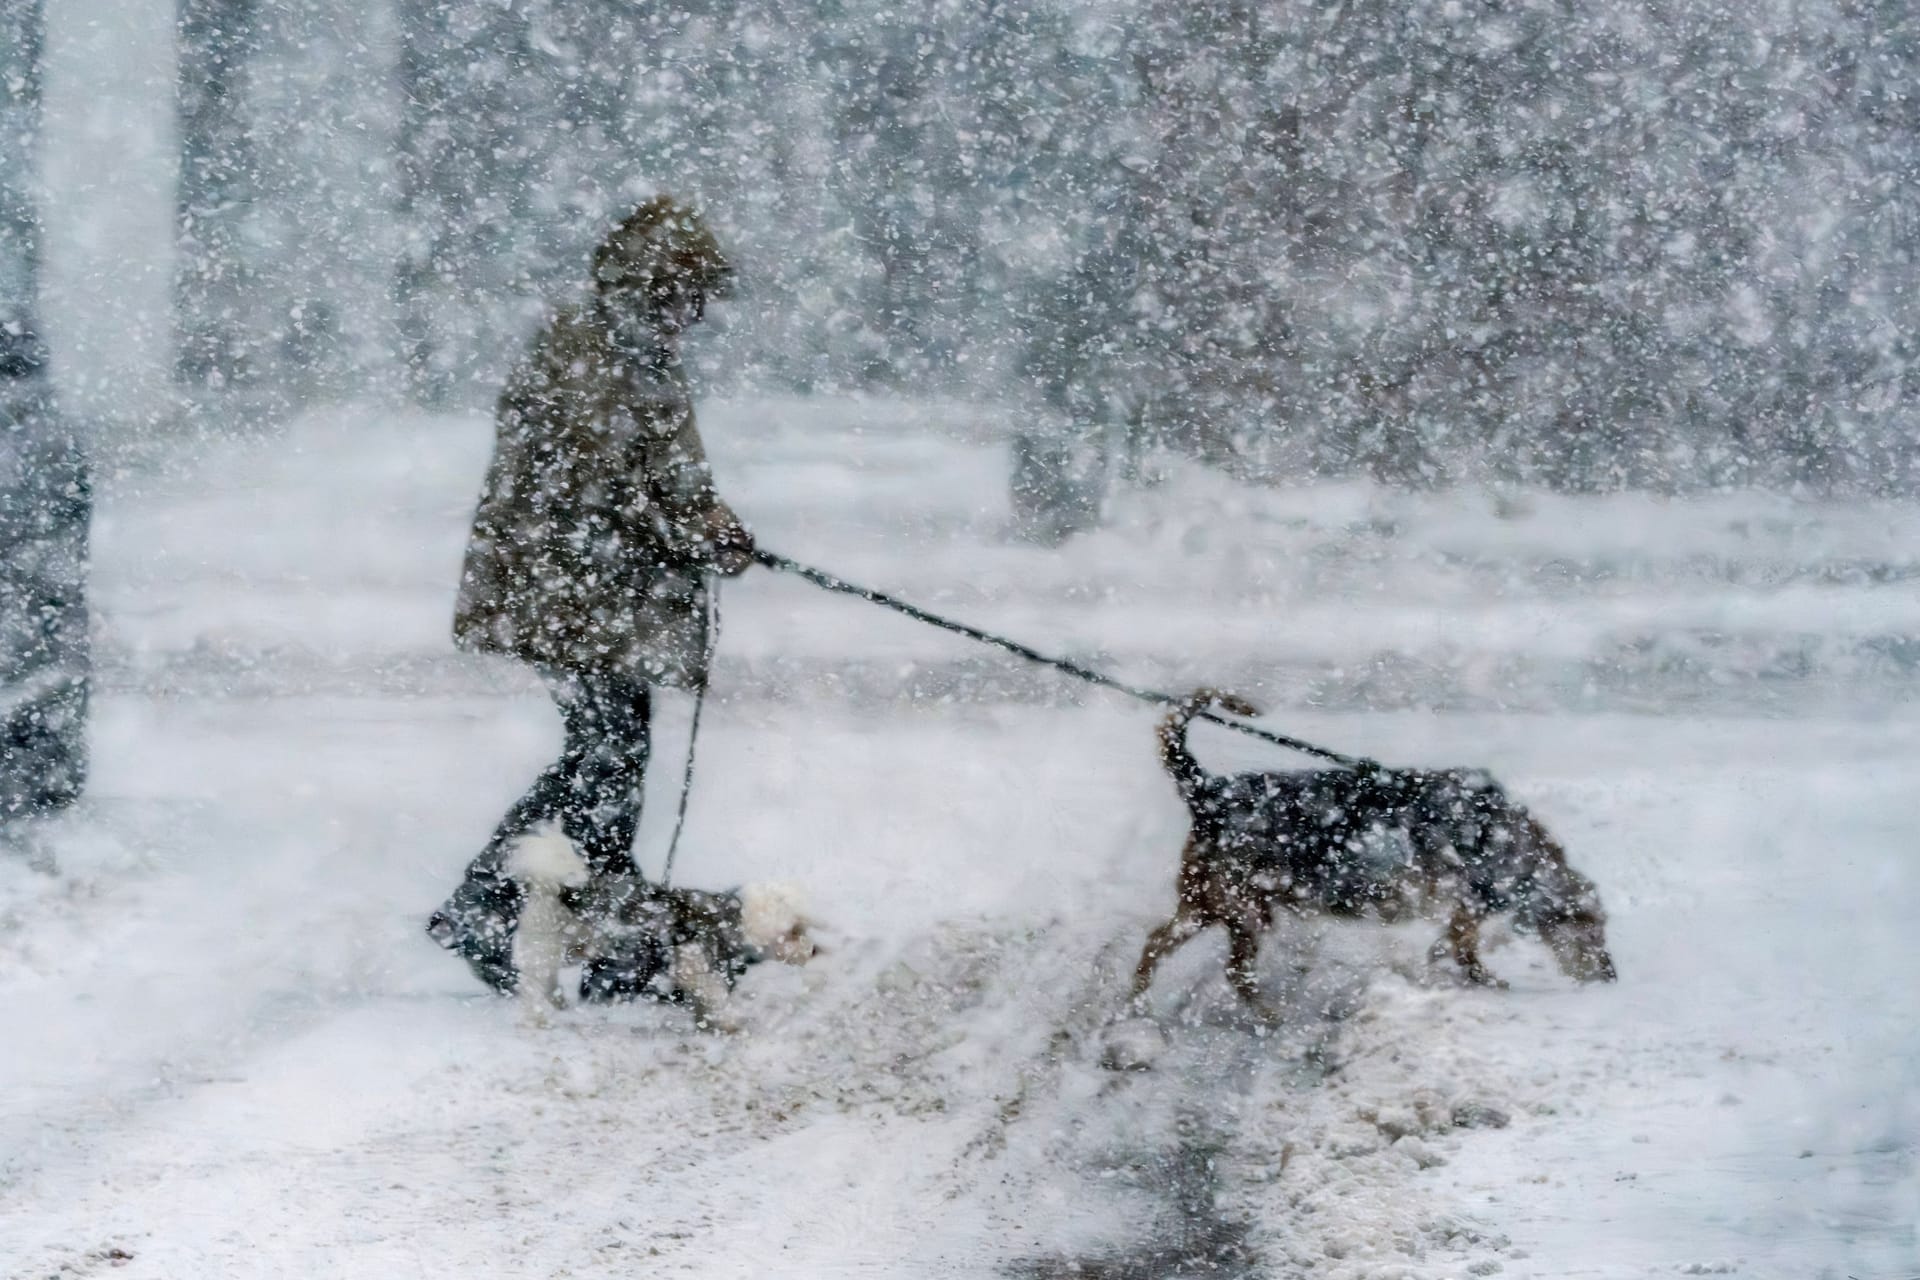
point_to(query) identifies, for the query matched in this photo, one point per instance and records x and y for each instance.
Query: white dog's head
(775, 923)
(545, 859)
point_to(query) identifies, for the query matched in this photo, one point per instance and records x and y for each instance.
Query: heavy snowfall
(1519, 385)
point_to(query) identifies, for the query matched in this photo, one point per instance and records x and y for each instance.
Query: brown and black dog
(1306, 841)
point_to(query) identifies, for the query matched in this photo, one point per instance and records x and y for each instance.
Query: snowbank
(242, 1057)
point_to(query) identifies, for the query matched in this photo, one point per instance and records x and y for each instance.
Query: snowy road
(234, 1054)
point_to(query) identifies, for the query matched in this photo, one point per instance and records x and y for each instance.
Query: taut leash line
(829, 582)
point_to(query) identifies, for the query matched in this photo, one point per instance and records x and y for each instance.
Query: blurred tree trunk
(20, 43)
(217, 332)
(44, 499)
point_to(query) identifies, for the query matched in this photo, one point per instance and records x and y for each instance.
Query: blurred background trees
(1572, 243)
(20, 37)
(1560, 242)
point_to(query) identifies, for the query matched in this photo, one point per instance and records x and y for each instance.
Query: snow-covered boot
(477, 923)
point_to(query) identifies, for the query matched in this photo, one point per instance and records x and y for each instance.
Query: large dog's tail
(1179, 761)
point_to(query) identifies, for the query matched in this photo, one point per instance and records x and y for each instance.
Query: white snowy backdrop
(238, 1054)
(1516, 384)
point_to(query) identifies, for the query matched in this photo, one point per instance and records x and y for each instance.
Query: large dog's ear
(1231, 703)
(1234, 704)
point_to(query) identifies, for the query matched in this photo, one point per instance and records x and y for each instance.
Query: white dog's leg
(544, 863)
(539, 949)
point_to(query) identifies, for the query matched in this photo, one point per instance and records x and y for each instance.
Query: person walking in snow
(596, 529)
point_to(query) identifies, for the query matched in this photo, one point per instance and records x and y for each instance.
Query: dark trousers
(593, 790)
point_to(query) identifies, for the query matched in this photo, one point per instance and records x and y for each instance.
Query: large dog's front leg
(1161, 943)
(1243, 956)
(1462, 942)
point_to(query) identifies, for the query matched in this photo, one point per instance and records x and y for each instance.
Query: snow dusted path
(232, 1052)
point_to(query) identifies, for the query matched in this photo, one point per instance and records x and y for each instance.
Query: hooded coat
(598, 520)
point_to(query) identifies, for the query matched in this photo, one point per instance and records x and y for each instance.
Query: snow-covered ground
(231, 1050)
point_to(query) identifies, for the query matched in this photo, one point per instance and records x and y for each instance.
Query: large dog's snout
(1590, 967)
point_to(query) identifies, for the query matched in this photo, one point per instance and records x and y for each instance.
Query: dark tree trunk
(44, 499)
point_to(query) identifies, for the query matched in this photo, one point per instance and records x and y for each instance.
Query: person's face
(652, 309)
(678, 304)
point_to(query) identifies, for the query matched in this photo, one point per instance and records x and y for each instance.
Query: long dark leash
(693, 731)
(820, 578)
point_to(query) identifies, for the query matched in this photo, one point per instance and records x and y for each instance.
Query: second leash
(712, 586)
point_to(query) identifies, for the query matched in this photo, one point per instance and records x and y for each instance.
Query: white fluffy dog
(638, 939)
(545, 865)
